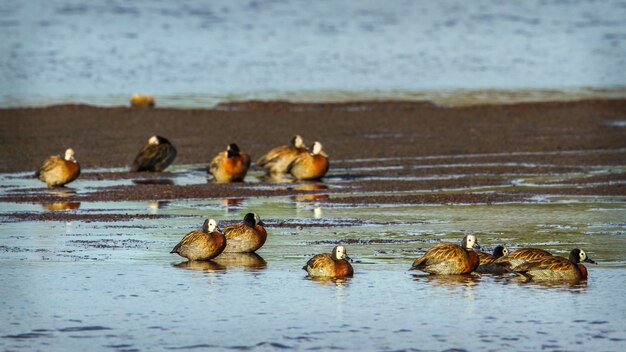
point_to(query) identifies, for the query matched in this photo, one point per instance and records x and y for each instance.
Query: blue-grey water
(89, 284)
(198, 53)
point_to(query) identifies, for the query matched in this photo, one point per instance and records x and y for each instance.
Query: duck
(450, 258)
(205, 244)
(230, 165)
(277, 160)
(155, 156)
(556, 268)
(247, 236)
(310, 166)
(58, 171)
(486, 258)
(509, 262)
(141, 101)
(331, 265)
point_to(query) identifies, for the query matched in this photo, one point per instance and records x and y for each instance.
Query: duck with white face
(333, 265)
(57, 171)
(310, 166)
(450, 258)
(276, 161)
(155, 156)
(556, 268)
(202, 245)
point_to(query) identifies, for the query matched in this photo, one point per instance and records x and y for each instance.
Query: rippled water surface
(84, 284)
(198, 53)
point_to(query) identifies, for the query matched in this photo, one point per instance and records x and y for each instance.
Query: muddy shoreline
(377, 149)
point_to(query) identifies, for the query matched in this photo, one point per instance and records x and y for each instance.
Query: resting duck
(333, 265)
(57, 171)
(310, 166)
(230, 165)
(202, 245)
(277, 160)
(486, 258)
(247, 236)
(449, 258)
(155, 156)
(509, 262)
(556, 268)
(141, 101)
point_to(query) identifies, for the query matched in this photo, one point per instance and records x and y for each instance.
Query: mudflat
(383, 146)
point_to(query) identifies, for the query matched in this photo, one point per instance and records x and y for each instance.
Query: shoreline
(443, 97)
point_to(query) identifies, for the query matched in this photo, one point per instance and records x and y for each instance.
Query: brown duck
(230, 165)
(310, 166)
(277, 160)
(556, 268)
(57, 171)
(333, 265)
(202, 245)
(155, 156)
(247, 236)
(509, 262)
(449, 258)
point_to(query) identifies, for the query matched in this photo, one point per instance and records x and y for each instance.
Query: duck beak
(590, 261)
(261, 223)
(476, 245)
(348, 258)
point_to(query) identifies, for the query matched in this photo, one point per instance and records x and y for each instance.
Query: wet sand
(371, 145)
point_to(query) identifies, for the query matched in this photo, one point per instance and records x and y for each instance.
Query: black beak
(590, 261)
(348, 258)
(476, 245)
(261, 223)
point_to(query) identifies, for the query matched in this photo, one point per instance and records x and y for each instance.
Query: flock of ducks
(442, 259)
(297, 161)
(231, 165)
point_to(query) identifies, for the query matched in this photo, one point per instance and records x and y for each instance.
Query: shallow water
(191, 53)
(85, 284)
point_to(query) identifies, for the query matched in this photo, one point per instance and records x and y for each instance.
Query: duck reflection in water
(330, 281)
(58, 206)
(64, 192)
(448, 280)
(232, 202)
(251, 261)
(200, 265)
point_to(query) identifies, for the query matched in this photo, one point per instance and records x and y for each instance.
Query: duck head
(317, 149)
(210, 225)
(500, 251)
(232, 150)
(579, 256)
(339, 252)
(297, 141)
(470, 242)
(69, 155)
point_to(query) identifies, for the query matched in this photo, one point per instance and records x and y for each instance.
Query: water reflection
(448, 280)
(232, 202)
(56, 206)
(276, 178)
(245, 260)
(158, 204)
(558, 285)
(201, 265)
(330, 281)
(62, 192)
